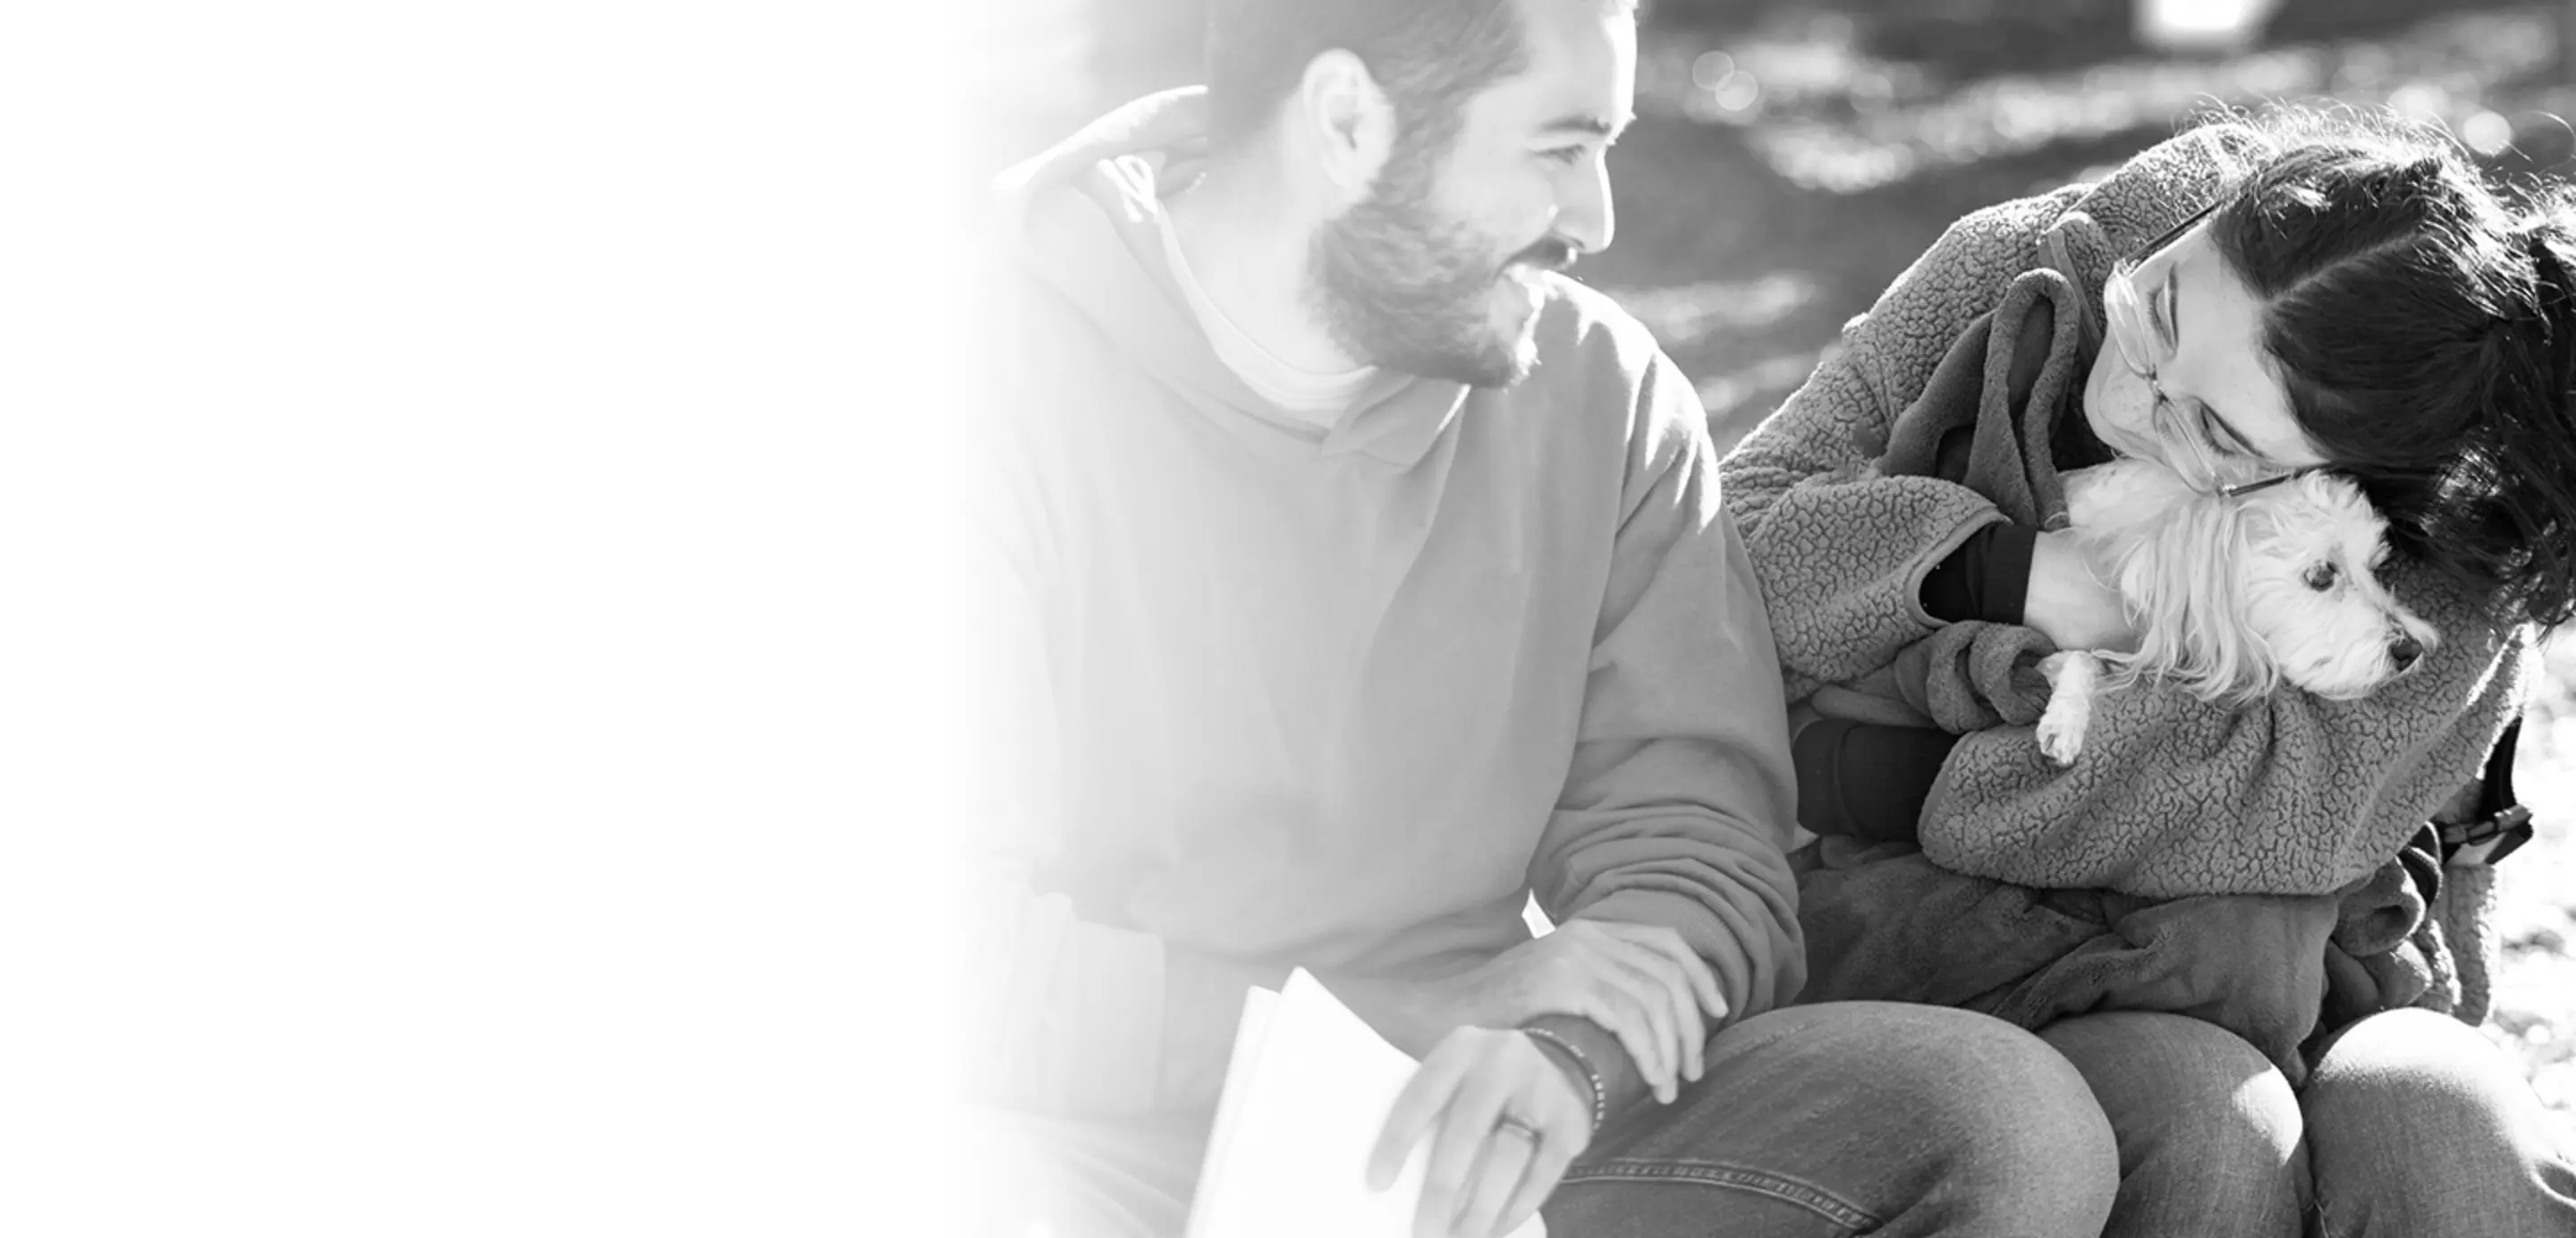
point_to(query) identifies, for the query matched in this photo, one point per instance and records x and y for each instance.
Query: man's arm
(1679, 805)
(1063, 1015)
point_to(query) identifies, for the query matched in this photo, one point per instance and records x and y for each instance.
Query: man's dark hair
(1429, 56)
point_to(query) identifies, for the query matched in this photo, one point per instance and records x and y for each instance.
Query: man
(1357, 575)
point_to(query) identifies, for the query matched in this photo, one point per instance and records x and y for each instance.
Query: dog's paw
(2072, 677)
(2061, 738)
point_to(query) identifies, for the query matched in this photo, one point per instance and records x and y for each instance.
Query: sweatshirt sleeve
(2173, 796)
(1061, 1014)
(1679, 803)
(1987, 577)
(1841, 553)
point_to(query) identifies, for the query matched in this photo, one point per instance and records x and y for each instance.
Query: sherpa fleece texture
(2173, 797)
(2290, 795)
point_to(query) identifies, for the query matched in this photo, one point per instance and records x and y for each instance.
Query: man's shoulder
(1003, 294)
(1030, 335)
(1589, 316)
(1595, 354)
(1585, 330)
(1033, 354)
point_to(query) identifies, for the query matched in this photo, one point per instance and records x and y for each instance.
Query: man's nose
(1585, 216)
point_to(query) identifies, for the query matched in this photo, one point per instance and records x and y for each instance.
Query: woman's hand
(2070, 605)
(1504, 1120)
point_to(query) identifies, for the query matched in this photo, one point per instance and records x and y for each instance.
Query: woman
(2317, 290)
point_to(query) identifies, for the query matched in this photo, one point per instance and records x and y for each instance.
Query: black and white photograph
(1778, 617)
(1288, 619)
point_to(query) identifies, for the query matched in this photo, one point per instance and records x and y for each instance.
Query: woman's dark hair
(2426, 332)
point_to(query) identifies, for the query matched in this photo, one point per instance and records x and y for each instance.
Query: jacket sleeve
(2173, 796)
(1840, 553)
(1680, 800)
(2466, 912)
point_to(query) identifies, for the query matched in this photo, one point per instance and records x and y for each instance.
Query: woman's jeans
(2411, 1124)
(1812, 1122)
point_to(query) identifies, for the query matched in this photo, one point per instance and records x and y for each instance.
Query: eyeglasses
(2144, 348)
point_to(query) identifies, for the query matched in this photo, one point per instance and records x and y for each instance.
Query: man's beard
(1402, 287)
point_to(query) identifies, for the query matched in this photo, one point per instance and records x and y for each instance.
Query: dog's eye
(2321, 576)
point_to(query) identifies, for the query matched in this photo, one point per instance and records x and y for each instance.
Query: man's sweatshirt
(1258, 694)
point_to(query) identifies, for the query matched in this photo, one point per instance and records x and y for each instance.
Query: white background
(470, 618)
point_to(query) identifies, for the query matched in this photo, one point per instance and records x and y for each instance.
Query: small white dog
(2232, 594)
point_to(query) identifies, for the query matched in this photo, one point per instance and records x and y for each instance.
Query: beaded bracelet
(1600, 1098)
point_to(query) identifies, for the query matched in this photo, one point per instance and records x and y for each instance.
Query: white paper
(1306, 1092)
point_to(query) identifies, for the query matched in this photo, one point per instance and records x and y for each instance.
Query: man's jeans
(2411, 1125)
(1817, 1121)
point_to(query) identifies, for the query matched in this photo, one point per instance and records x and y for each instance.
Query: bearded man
(1356, 575)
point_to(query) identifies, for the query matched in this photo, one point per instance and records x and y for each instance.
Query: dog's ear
(2184, 578)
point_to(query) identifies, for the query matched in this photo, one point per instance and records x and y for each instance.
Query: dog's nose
(2405, 651)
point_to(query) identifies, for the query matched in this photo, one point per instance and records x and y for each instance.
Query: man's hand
(1642, 983)
(1504, 1120)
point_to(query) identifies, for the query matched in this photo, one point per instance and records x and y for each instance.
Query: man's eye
(2321, 576)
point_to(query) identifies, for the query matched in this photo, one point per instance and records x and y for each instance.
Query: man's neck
(1252, 264)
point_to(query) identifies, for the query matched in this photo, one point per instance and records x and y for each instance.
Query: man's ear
(1345, 123)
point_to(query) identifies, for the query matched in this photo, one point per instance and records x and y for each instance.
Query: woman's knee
(2418, 1126)
(2208, 1131)
(2167, 1076)
(2018, 1134)
(2423, 1080)
(2429, 1066)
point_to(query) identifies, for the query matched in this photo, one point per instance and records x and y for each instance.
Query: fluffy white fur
(2232, 596)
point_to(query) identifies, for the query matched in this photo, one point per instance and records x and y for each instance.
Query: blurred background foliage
(1791, 156)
